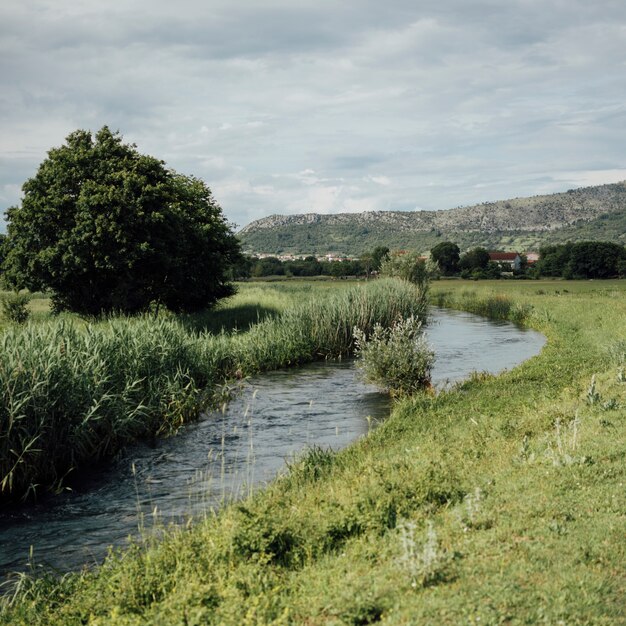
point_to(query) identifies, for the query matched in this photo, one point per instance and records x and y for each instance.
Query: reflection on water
(275, 417)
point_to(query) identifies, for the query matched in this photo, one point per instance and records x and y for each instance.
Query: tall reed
(73, 394)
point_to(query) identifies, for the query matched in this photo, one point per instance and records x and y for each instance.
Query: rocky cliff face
(537, 214)
(541, 213)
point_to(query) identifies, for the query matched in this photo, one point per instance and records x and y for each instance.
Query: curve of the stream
(223, 456)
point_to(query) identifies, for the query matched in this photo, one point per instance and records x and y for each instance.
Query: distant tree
(367, 263)
(447, 255)
(109, 229)
(409, 266)
(475, 259)
(379, 254)
(523, 266)
(583, 259)
(553, 260)
(242, 268)
(594, 259)
(269, 266)
(311, 266)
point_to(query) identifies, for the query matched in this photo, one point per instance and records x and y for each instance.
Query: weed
(610, 405)
(425, 563)
(565, 443)
(593, 395)
(472, 504)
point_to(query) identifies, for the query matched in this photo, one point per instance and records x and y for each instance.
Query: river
(229, 452)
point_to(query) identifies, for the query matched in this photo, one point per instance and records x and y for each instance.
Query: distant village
(513, 260)
(584, 259)
(510, 258)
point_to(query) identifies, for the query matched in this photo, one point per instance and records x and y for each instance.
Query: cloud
(284, 105)
(385, 181)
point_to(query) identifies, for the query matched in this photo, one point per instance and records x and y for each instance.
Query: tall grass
(492, 306)
(74, 394)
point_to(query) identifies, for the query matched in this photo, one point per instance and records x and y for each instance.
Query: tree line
(365, 265)
(583, 259)
(579, 260)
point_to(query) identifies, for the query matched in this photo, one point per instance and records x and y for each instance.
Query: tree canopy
(475, 259)
(446, 254)
(109, 229)
(583, 259)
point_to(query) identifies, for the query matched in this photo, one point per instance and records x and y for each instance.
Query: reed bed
(493, 306)
(75, 393)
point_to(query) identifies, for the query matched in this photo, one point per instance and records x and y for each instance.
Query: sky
(296, 106)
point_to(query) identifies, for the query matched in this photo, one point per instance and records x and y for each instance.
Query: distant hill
(517, 224)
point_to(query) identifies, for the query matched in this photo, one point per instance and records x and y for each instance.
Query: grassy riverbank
(75, 392)
(501, 501)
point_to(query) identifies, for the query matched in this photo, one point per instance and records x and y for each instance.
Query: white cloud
(385, 181)
(592, 177)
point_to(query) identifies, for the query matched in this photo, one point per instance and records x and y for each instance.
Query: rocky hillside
(519, 223)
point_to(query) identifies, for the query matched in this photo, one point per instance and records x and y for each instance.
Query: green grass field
(502, 501)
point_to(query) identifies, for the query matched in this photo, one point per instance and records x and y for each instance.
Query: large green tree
(446, 254)
(109, 229)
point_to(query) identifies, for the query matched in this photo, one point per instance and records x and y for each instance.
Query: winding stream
(228, 453)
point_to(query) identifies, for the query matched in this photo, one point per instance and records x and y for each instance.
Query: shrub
(14, 307)
(396, 358)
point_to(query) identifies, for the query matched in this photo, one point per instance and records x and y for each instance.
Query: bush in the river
(396, 358)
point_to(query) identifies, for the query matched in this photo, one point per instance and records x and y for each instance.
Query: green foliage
(475, 259)
(109, 229)
(268, 266)
(396, 358)
(309, 266)
(3, 243)
(409, 266)
(379, 254)
(447, 255)
(14, 307)
(492, 306)
(584, 259)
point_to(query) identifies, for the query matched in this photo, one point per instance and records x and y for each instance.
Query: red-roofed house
(512, 259)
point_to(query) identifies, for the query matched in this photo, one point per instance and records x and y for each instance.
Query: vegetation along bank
(499, 501)
(75, 392)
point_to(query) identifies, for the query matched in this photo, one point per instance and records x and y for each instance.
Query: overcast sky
(291, 106)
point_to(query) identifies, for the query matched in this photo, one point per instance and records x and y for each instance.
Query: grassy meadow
(500, 501)
(75, 392)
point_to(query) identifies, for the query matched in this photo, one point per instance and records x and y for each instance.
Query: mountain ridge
(515, 221)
